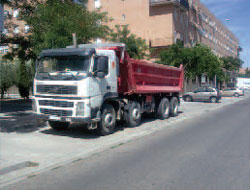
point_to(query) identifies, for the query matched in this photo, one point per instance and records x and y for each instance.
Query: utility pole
(74, 40)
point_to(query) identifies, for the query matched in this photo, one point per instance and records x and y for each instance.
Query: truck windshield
(63, 68)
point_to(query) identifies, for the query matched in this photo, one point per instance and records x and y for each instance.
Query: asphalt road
(209, 153)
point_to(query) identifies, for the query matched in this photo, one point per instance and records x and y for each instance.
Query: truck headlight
(34, 108)
(80, 109)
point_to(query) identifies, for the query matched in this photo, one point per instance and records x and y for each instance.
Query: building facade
(159, 22)
(162, 22)
(1, 18)
(12, 25)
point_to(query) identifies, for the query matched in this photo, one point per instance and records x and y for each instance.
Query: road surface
(208, 153)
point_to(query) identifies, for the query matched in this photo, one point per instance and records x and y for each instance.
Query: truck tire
(133, 114)
(163, 109)
(58, 125)
(174, 107)
(108, 120)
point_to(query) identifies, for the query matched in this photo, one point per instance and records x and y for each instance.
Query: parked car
(236, 92)
(210, 94)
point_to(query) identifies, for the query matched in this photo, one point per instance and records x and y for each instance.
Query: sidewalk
(27, 153)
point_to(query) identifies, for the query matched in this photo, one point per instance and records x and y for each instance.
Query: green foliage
(6, 76)
(136, 46)
(53, 23)
(196, 60)
(24, 77)
(173, 55)
(231, 63)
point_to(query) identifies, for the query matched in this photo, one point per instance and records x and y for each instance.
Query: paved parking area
(25, 153)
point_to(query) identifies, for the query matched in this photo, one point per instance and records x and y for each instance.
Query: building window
(15, 13)
(5, 31)
(16, 30)
(6, 14)
(26, 28)
(123, 16)
(15, 46)
(97, 4)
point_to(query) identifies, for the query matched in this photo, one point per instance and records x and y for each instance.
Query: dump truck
(99, 84)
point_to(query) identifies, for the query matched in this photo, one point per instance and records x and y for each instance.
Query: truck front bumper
(85, 120)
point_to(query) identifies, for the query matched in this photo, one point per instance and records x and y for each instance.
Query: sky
(235, 14)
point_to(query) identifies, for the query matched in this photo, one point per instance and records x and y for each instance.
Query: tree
(136, 46)
(196, 60)
(53, 22)
(24, 78)
(6, 77)
(231, 63)
(51, 26)
(173, 55)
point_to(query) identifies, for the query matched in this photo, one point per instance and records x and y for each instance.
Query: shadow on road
(16, 116)
(78, 131)
(14, 105)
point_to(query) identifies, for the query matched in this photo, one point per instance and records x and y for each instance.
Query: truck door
(107, 86)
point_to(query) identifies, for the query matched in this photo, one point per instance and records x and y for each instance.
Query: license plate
(54, 117)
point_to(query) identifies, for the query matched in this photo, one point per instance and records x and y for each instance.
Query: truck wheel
(213, 100)
(163, 109)
(174, 107)
(133, 114)
(59, 126)
(108, 120)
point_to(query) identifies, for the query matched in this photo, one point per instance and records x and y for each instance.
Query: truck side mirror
(102, 64)
(101, 69)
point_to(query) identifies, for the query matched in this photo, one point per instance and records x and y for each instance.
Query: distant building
(1, 18)
(162, 22)
(11, 25)
(243, 70)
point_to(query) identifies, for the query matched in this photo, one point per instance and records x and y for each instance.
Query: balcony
(183, 3)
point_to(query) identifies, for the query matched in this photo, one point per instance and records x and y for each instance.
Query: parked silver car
(236, 92)
(203, 94)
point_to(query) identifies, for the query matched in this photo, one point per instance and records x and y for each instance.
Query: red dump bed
(144, 77)
(137, 76)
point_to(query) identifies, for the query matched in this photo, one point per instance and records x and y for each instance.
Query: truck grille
(53, 103)
(56, 89)
(56, 112)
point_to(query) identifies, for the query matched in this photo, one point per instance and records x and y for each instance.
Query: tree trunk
(2, 93)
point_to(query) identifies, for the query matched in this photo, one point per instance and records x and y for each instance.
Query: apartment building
(11, 25)
(162, 22)
(1, 18)
(159, 22)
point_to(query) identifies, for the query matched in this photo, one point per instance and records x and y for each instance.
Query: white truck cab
(71, 84)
